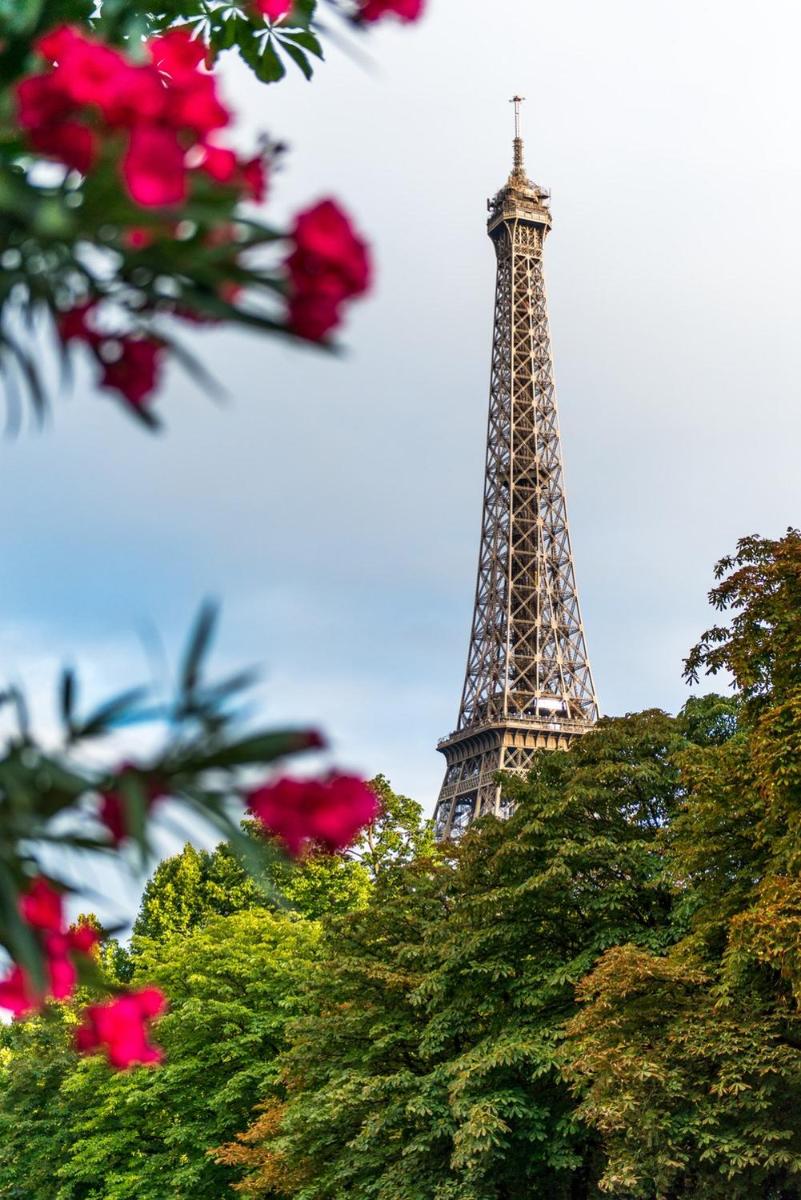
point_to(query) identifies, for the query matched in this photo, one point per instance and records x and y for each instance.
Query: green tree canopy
(426, 1064)
(75, 1130)
(689, 1064)
(232, 954)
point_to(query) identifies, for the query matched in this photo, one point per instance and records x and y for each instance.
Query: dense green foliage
(232, 952)
(690, 1064)
(597, 997)
(428, 1063)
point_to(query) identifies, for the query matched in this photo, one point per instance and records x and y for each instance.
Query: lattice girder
(528, 675)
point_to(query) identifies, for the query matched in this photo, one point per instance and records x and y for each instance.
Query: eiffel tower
(528, 685)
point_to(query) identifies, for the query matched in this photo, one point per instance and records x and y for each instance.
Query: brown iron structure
(528, 684)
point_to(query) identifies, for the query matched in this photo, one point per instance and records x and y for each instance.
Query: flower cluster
(366, 10)
(42, 909)
(120, 1028)
(322, 812)
(376, 10)
(163, 111)
(112, 811)
(130, 363)
(273, 10)
(329, 264)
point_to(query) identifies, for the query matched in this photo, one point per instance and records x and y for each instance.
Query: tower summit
(528, 684)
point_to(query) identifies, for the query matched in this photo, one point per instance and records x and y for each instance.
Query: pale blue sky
(334, 506)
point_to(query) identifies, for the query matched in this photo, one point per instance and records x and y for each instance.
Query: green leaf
(302, 37)
(198, 647)
(257, 750)
(67, 697)
(299, 58)
(119, 710)
(263, 59)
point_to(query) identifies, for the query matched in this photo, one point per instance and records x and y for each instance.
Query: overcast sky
(334, 506)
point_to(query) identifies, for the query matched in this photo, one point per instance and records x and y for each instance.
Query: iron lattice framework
(528, 684)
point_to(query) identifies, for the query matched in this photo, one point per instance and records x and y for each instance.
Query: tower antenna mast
(517, 101)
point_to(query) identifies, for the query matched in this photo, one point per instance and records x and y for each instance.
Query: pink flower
(254, 178)
(134, 369)
(83, 938)
(120, 1028)
(405, 10)
(46, 113)
(176, 53)
(88, 72)
(74, 325)
(328, 812)
(68, 141)
(193, 105)
(153, 167)
(16, 994)
(112, 805)
(225, 167)
(61, 970)
(41, 102)
(58, 43)
(41, 906)
(313, 314)
(162, 108)
(273, 10)
(219, 163)
(135, 373)
(138, 237)
(60, 949)
(329, 263)
(327, 248)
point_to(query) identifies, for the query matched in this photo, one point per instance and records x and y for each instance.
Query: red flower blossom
(113, 812)
(60, 950)
(42, 907)
(138, 238)
(163, 108)
(254, 178)
(61, 971)
(249, 175)
(40, 101)
(313, 314)
(16, 994)
(219, 163)
(406, 10)
(328, 812)
(176, 53)
(273, 10)
(193, 105)
(328, 249)
(135, 372)
(69, 141)
(88, 72)
(153, 167)
(46, 114)
(131, 365)
(120, 1028)
(58, 43)
(75, 324)
(329, 264)
(83, 938)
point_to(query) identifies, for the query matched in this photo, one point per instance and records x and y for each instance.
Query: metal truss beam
(528, 684)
